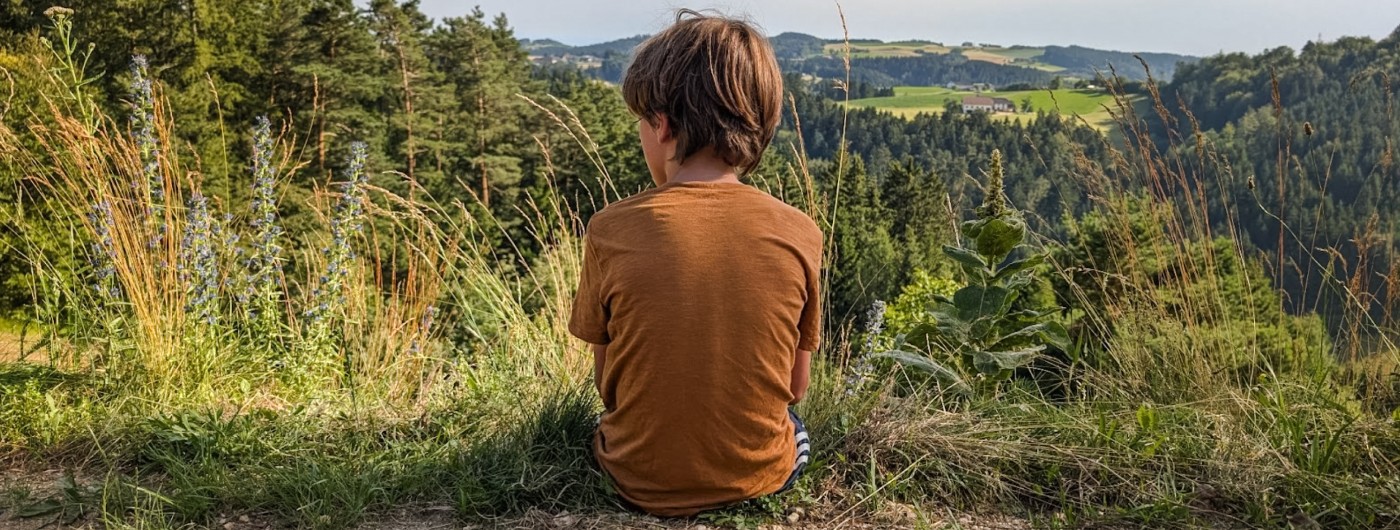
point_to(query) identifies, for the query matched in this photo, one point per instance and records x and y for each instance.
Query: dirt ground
(27, 486)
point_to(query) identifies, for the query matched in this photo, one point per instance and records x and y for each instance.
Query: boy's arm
(801, 375)
(590, 315)
(809, 324)
(600, 356)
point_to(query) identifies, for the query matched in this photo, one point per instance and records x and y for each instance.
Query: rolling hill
(793, 49)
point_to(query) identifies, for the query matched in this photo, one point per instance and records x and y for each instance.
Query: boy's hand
(801, 375)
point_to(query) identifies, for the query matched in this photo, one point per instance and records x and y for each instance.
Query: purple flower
(199, 262)
(346, 223)
(262, 290)
(143, 132)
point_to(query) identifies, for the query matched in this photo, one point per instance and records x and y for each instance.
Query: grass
(909, 101)
(174, 422)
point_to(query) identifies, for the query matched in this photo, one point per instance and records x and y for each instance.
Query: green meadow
(908, 101)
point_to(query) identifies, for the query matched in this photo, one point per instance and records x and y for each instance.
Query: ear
(662, 124)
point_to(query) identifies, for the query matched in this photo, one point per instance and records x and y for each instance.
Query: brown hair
(717, 81)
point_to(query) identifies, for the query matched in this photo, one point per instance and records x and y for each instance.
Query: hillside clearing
(910, 101)
(1018, 56)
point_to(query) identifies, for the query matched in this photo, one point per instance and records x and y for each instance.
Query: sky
(1197, 27)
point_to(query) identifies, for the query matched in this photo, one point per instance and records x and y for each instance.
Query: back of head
(717, 81)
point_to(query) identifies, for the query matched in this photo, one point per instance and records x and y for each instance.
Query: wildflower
(346, 223)
(143, 132)
(199, 264)
(57, 12)
(104, 250)
(264, 262)
(875, 325)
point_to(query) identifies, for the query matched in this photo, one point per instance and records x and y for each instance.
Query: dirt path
(20, 487)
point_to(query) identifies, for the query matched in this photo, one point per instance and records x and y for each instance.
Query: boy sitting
(700, 296)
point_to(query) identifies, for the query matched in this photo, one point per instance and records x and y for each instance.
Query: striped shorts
(804, 451)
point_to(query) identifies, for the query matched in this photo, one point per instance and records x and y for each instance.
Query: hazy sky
(1199, 27)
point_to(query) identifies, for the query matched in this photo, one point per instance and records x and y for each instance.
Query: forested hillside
(1089, 62)
(925, 70)
(1310, 137)
(918, 63)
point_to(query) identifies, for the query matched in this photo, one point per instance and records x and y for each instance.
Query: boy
(700, 296)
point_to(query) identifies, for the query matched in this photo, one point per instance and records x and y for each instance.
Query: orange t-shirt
(702, 292)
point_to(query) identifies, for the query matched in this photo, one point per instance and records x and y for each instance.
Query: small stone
(794, 517)
(244, 519)
(700, 527)
(228, 526)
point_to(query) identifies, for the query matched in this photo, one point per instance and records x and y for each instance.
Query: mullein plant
(260, 292)
(980, 333)
(328, 302)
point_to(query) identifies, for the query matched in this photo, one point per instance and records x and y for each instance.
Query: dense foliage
(1312, 174)
(1089, 63)
(924, 70)
(1040, 157)
(441, 103)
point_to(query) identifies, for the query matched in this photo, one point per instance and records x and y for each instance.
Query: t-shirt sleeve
(809, 326)
(589, 320)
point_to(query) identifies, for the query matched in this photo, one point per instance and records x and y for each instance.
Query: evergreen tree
(864, 265)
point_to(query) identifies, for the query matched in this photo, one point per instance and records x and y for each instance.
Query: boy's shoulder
(788, 216)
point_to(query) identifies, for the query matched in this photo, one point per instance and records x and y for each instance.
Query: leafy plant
(66, 506)
(981, 327)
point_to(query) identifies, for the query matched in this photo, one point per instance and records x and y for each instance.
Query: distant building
(978, 104)
(1003, 105)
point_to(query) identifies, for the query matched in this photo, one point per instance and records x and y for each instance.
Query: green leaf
(943, 374)
(976, 301)
(1018, 266)
(1048, 333)
(921, 337)
(971, 229)
(998, 237)
(39, 509)
(993, 362)
(1056, 335)
(964, 256)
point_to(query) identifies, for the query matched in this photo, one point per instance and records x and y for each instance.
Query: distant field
(1016, 53)
(866, 49)
(994, 55)
(909, 101)
(977, 54)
